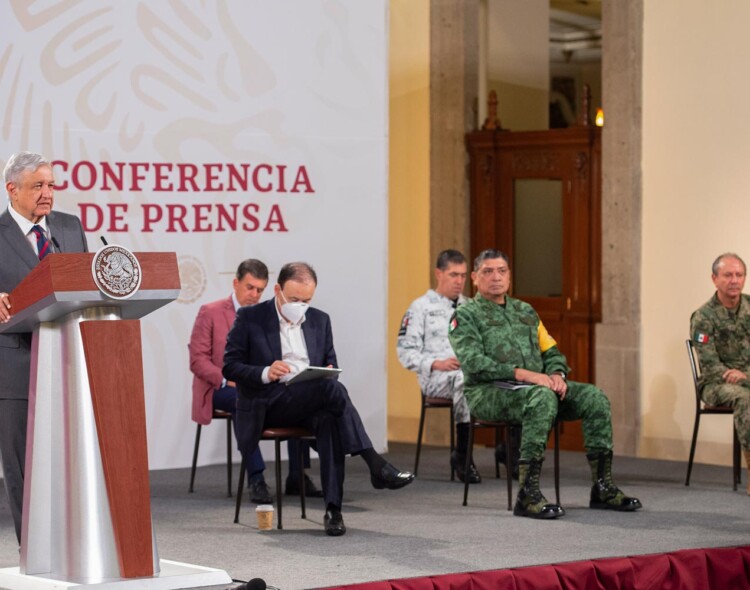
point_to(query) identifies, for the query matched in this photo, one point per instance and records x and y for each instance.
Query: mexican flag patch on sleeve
(454, 323)
(701, 338)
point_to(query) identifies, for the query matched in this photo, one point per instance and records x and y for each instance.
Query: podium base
(173, 576)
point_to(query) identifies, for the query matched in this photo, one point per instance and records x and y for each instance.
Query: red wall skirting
(689, 569)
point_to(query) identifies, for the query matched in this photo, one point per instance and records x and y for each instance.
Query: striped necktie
(42, 243)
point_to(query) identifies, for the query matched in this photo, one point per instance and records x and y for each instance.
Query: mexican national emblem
(116, 271)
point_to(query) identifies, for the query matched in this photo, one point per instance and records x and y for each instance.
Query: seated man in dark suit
(212, 392)
(268, 344)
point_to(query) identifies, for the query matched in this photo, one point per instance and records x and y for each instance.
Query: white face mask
(294, 311)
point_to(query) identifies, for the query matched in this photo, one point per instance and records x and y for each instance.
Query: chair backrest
(694, 369)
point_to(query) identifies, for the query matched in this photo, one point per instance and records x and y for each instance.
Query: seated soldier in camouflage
(720, 330)
(498, 339)
(423, 347)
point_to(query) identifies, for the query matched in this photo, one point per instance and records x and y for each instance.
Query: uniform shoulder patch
(404, 324)
(700, 338)
(454, 322)
(545, 340)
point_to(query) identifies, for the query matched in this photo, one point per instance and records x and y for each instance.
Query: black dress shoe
(259, 492)
(291, 488)
(458, 462)
(334, 523)
(391, 478)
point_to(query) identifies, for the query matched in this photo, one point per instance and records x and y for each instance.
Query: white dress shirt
(293, 347)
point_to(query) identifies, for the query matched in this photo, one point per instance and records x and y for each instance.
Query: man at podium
(29, 231)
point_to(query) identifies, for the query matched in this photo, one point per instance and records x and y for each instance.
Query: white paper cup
(264, 512)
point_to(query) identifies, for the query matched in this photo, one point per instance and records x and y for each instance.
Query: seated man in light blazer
(269, 343)
(29, 231)
(211, 391)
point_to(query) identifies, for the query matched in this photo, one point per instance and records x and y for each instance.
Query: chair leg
(736, 460)
(469, 457)
(195, 458)
(240, 486)
(453, 442)
(497, 464)
(229, 457)
(277, 447)
(508, 470)
(692, 447)
(419, 439)
(557, 461)
(301, 478)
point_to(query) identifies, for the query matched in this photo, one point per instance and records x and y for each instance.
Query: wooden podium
(87, 509)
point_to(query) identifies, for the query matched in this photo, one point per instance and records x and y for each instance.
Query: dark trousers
(13, 419)
(324, 407)
(225, 399)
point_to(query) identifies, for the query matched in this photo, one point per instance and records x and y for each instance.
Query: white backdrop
(132, 100)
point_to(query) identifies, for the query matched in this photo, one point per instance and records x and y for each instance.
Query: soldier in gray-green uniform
(501, 339)
(720, 330)
(423, 347)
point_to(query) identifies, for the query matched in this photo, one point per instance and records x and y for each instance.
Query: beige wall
(518, 61)
(409, 188)
(696, 181)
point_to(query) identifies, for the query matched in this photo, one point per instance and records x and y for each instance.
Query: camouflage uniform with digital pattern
(422, 340)
(722, 340)
(491, 341)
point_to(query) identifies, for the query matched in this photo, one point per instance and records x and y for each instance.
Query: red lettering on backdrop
(275, 218)
(213, 180)
(176, 214)
(60, 185)
(188, 172)
(136, 177)
(116, 219)
(256, 181)
(254, 223)
(164, 177)
(226, 216)
(163, 183)
(108, 173)
(201, 218)
(281, 188)
(304, 179)
(237, 176)
(76, 178)
(151, 214)
(93, 209)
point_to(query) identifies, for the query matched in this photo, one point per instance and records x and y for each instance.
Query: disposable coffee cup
(264, 512)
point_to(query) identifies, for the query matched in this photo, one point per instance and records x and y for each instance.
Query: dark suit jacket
(207, 343)
(17, 258)
(254, 343)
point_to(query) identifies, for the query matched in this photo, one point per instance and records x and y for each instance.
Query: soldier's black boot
(604, 493)
(530, 501)
(458, 464)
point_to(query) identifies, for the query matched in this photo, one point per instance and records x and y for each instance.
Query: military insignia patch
(454, 323)
(404, 324)
(701, 338)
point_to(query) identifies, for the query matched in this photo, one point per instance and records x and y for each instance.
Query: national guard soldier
(720, 331)
(423, 347)
(499, 341)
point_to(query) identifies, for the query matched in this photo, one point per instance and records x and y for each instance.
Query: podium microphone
(104, 241)
(56, 243)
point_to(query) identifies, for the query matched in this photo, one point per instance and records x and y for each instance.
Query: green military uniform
(722, 341)
(491, 341)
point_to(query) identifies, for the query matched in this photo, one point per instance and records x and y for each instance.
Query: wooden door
(536, 197)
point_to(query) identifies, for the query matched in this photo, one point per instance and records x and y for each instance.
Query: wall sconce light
(599, 120)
